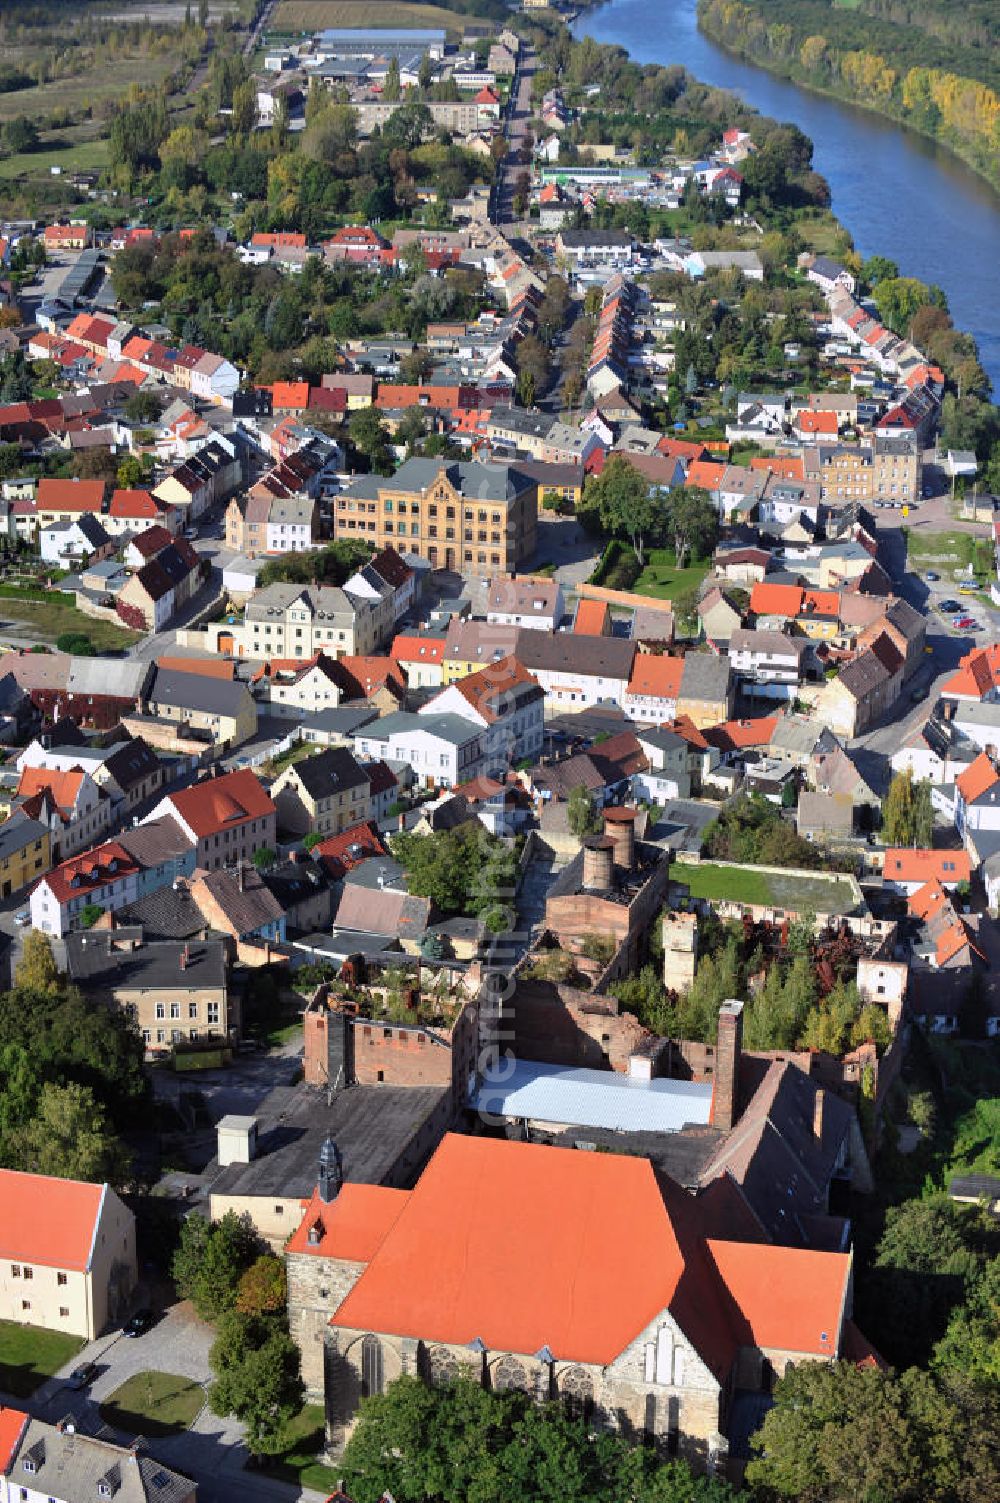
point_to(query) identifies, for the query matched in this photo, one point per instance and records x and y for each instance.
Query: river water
(899, 194)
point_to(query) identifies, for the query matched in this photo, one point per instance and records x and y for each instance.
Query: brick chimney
(819, 1108)
(185, 957)
(728, 1051)
(598, 863)
(619, 826)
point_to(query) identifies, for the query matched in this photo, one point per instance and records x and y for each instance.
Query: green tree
(20, 134)
(898, 299)
(621, 500)
(264, 858)
(843, 1434)
(581, 814)
(36, 971)
(907, 812)
(971, 1344)
(693, 522)
(244, 116)
(465, 870)
(142, 407)
(211, 1260)
(391, 89)
(257, 1379)
(68, 1137)
(371, 439)
(130, 472)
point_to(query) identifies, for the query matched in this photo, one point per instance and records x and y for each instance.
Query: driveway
(562, 541)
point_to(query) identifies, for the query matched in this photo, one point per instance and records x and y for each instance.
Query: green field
(298, 1463)
(29, 1355)
(294, 16)
(47, 622)
(75, 96)
(801, 892)
(662, 579)
(949, 553)
(153, 1404)
(71, 156)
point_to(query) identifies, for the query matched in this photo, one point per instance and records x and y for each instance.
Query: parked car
(953, 607)
(22, 918)
(140, 1323)
(968, 589)
(81, 1376)
(931, 577)
(967, 623)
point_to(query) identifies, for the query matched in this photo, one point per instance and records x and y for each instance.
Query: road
(519, 114)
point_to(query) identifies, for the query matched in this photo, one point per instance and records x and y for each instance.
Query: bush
(76, 643)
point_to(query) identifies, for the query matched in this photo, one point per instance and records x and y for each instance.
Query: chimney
(598, 863)
(818, 1110)
(619, 826)
(331, 1172)
(728, 1052)
(185, 957)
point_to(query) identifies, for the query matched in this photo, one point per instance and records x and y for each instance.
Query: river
(899, 194)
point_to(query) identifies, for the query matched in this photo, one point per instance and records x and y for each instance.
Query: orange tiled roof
(412, 649)
(70, 495)
(12, 1423)
(656, 675)
(222, 803)
(731, 735)
(978, 672)
(978, 778)
(203, 667)
(293, 394)
(928, 899)
(789, 1297)
(707, 473)
(353, 1226)
(63, 787)
(48, 1221)
(591, 618)
(904, 865)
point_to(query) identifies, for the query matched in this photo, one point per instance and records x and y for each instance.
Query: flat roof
(525, 1088)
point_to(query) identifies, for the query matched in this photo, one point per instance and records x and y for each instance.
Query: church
(565, 1273)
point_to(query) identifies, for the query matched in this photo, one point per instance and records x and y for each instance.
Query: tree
(36, 971)
(264, 858)
(258, 1381)
(391, 89)
(899, 298)
(68, 1137)
(842, 1434)
(622, 501)
(464, 870)
(89, 914)
(142, 407)
(907, 813)
(263, 1289)
(371, 439)
(130, 472)
(244, 116)
(581, 815)
(20, 134)
(693, 521)
(211, 1260)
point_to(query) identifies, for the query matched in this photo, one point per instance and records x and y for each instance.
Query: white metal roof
(524, 1088)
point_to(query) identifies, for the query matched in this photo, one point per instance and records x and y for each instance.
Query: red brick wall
(387, 1054)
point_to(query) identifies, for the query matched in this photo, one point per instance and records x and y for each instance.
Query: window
(213, 1012)
(192, 1009)
(29, 1273)
(372, 1367)
(175, 1009)
(26, 1304)
(279, 1210)
(15, 1270)
(61, 1278)
(64, 1311)
(161, 1011)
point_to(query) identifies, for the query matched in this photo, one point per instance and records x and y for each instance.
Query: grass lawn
(948, 553)
(153, 1404)
(29, 1355)
(800, 893)
(90, 86)
(76, 156)
(298, 1463)
(49, 621)
(313, 15)
(662, 579)
(820, 233)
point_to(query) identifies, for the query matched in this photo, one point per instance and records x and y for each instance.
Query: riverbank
(739, 30)
(899, 194)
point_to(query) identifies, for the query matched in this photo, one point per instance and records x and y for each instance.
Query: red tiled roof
(221, 668)
(48, 1221)
(341, 853)
(70, 495)
(290, 394)
(978, 672)
(732, 735)
(134, 503)
(414, 649)
(373, 673)
(63, 787)
(216, 804)
(95, 868)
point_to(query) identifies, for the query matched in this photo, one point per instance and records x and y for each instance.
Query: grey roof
(166, 913)
(17, 831)
(70, 1466)
(373, 1126)
(660, 738)
(565, 652)
(793, 733)
(476, 482)
(451, 728)
(581, 239)
(328, 772)
(275, 600)
(526, 1089)
(121, 678)
(157, 841)
(705, 676)
(196, 691)
(831, 813)
(342, 721)
(519, 420)
(771, 642)
(93, 959)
